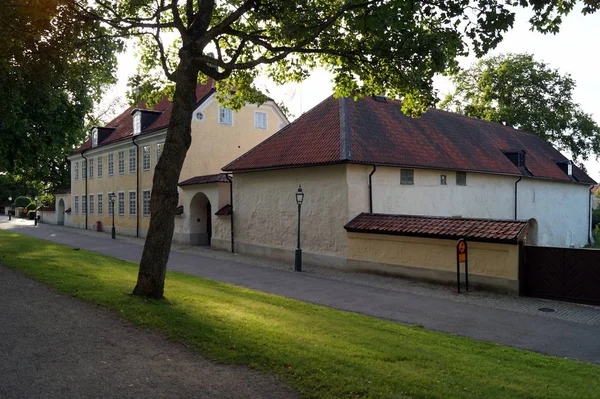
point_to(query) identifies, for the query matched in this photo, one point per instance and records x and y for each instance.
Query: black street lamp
(299, 199)
(111, 198)
(10, 210)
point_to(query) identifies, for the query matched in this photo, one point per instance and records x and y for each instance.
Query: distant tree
(518, 91)
(54, 64)
(388, 47)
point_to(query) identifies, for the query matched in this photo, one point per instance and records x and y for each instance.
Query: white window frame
(100, 167)
(110, 206)
(91, 168)
(91, 204)
(132, 160)
(256, 113)
(137, 123)
(130, 203)
(76, 170)
(146, 202)
(121, 201)
(111, 164)
(223, 121)
(159, 150)
(83, 169)
(76, 205)
(146, 156)
(404, 183)
(121, 157)
(100, 202)
(94, 137)
(84, 209)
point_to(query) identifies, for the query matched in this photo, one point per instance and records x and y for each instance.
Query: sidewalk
(572, 330)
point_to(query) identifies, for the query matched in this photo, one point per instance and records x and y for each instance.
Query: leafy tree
(54, 63)
(370, 46)
(518, 91)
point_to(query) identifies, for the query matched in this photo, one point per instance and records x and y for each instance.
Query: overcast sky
(574, 50)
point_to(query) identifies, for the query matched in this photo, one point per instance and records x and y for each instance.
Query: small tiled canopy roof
(206, 179)
(374, 131)
(485, 230)
(68, 210)
(123, 124)
(227, 210)
(47, 209)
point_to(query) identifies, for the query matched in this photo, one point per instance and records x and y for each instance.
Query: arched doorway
(60, 213)
(532, 233)
(200, 220)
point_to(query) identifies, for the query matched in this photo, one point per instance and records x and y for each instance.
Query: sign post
(461, 257)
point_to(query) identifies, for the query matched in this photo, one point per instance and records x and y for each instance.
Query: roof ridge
(445, 217)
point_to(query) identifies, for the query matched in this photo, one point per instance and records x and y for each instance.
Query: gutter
(137, 186)
(371, 189)
(516, 195)
(231, 203)
(85, 172)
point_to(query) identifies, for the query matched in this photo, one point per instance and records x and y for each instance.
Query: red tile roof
(369, 131)
(123, 124)
(486, 230)
(227, 210)
(217, 178)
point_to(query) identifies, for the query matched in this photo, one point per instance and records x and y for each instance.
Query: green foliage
(12, 185)
(22, 202)
(516, 90)
(54, 63)
(596, 218)
(32, 206)
(320, 352)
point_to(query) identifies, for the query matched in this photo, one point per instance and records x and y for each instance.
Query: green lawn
(322, 353)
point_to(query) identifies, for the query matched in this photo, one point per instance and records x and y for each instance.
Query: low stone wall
(491, 266)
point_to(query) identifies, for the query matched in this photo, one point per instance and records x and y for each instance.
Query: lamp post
(299, 199)
(10, 210)
(111, 198)
(35, 217)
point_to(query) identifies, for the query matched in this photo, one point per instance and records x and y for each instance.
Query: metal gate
(565, 274)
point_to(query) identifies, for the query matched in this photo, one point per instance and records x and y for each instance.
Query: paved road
(53, 346)
(538, 333)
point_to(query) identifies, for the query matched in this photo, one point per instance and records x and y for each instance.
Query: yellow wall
(485, 259)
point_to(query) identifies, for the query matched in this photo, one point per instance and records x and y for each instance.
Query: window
(132, 160)
(443, 181)
(111, 205)
(407, 176)
(76, 205)
(95, 137)
(121, 162)
(100, 167)
(91, 168)
(83, 205)
(461, 178)
(146, 158)
(76, 170)
(83, 169)
(225, 116)
(132, 203)
(111, 165)
(260, 120)
(159, 150)
(146, 202)
(91, 204)
(100, 204)
(121, 197)
(137, 123)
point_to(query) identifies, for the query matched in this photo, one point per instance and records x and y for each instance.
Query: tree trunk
(153, 266)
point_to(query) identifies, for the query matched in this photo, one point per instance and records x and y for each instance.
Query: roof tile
(206, 179)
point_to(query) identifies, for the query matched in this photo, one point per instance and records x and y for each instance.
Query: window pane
(121, 204)
(146, 205)
(132, 203)
(92, 168)
(132, 160)
(260, 120)
(121, 162)
(100, 165)
(111, 165)
(100, 204)
(461, 178)
(407, 176)
(146, 157)
(91, 204)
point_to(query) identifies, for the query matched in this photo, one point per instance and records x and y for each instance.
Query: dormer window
(518, 159)
(95, 137)
(137, 123)
(567, 168)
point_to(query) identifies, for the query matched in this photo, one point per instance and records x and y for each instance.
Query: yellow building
(119, 159)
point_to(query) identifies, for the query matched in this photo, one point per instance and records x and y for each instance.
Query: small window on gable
(137, 123)
(407, 176)
(95, 137)
(225, 116)
(260, 120)
(443, 181)
(461, 178)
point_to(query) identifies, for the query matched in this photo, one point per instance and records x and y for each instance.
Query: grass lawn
(322, 353)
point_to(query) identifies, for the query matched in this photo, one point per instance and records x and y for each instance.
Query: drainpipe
(137, 186)
(231, 203)
(85, 172)
(516, 192)
(590, 237)
(371, 189)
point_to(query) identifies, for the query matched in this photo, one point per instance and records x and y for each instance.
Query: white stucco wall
(561, 209)
(266, 212)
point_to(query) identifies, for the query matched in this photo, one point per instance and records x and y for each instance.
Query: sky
(574, 51)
